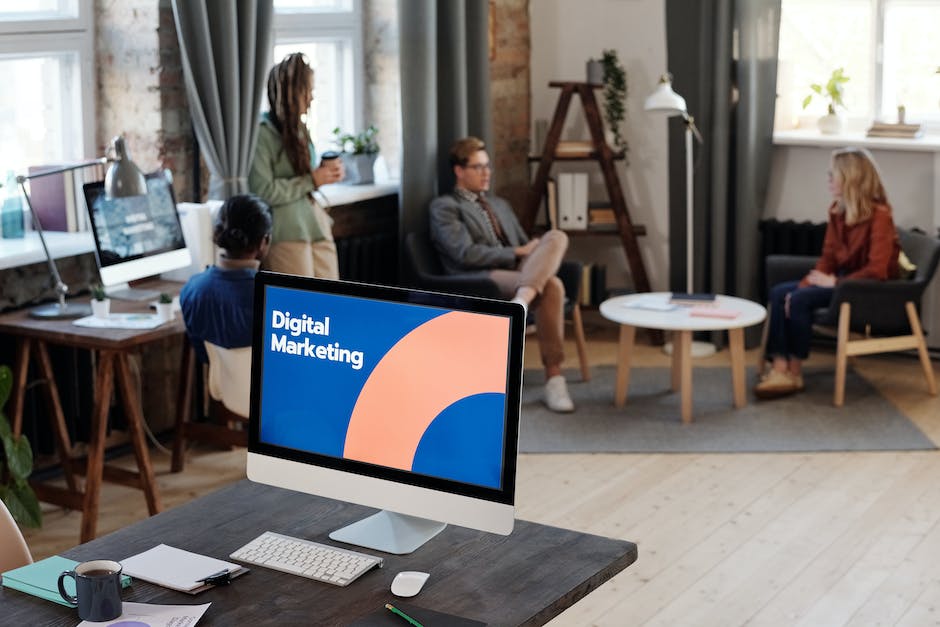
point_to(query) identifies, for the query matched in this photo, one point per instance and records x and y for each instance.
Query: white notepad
(177, 569)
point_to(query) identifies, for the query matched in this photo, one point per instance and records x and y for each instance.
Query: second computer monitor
(403, 400)
(137, 236)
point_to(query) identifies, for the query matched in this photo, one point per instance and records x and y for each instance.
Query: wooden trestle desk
(112, 348)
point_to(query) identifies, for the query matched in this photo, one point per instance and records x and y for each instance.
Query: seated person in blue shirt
(217, 304)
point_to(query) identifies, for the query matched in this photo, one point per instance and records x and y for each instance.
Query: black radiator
(787, 237)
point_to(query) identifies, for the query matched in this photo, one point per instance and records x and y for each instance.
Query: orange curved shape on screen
(444, 360)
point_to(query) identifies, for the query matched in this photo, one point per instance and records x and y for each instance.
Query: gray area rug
(650, 421)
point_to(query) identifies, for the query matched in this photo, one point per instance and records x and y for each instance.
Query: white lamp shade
(664, 100)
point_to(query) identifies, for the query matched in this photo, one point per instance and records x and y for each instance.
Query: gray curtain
(723, 57)
(225, 47)
(445, 95)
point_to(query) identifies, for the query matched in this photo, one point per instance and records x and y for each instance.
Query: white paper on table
(651, 303)
(121, 321)
(155, 615)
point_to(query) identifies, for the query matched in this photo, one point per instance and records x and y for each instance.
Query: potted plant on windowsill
(831, 123)
(359, 151)
(16, 464)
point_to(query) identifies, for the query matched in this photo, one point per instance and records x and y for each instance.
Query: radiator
(786, 237)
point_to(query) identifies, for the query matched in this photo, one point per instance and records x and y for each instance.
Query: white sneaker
(556, 395)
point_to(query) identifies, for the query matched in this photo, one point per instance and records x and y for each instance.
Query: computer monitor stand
(123, 291)
(386, 531)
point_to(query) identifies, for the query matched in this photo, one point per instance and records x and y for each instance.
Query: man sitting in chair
(473, 231)
(217, 304)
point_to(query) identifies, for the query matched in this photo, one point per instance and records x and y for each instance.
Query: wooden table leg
(184, 404)
(736, 346)
(682, 342)
(104, 384)
(627, 335)
(56, 416)
(135, 427)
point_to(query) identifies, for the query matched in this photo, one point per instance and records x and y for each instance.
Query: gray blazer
(463, 237)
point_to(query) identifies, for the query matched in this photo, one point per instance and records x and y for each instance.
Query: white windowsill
(26, 250)
(812, 137)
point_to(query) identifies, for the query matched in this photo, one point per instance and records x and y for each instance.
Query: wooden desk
(112, 348)
(522, 579)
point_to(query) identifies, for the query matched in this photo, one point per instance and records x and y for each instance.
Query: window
(47, 77)
(329, 32)
(888, 49)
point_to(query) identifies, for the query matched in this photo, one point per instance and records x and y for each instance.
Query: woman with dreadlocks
(282, 174)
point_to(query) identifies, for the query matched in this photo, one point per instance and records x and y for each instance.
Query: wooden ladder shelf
(601, 153)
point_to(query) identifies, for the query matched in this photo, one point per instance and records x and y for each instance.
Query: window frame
(30, 38)
(299, 26)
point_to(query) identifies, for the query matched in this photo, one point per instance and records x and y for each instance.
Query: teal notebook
(41, 578)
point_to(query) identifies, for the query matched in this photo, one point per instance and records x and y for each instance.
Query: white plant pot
(830, 124)
(101, 308)
(165, 312)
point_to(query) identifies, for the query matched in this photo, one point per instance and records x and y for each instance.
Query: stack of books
(902, 131)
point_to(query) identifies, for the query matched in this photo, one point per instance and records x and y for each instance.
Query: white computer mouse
(408, 583)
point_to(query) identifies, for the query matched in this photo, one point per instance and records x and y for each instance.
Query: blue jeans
(789, 336)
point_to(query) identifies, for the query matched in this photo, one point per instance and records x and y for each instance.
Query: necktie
(494, 222)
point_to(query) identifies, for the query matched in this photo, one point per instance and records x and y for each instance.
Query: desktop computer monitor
(399, 399)
(137, 236)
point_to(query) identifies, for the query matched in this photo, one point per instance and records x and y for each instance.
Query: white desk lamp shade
(664, 99)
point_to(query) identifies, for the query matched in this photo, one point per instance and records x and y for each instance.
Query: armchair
(427, 273)
(871, 316)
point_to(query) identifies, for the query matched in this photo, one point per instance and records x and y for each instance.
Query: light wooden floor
(743, 539)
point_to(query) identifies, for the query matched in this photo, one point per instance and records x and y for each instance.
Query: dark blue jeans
(789, 337)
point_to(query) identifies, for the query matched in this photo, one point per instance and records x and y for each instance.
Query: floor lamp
(665, 100)
(122, 179)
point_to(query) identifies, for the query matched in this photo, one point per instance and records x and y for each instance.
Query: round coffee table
(651, 310)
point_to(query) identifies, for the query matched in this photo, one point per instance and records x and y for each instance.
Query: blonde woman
(861, 243)
(282, 174)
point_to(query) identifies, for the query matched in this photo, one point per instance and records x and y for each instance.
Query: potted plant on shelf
(359, 153)
(165, 307)
(16, 464)
(100, 303)
(831, 123)
(615, 97)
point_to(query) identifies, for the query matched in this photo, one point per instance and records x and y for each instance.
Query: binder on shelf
(572, 200)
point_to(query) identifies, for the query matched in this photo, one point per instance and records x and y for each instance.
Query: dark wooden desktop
(525, 578)
(112, 348)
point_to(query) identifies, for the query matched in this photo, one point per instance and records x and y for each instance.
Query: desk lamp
(665, 100)
(122, 179)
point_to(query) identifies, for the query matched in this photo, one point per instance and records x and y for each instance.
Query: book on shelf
(574, 149)
(901, 131)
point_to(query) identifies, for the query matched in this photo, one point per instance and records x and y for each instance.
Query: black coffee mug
(97, 590)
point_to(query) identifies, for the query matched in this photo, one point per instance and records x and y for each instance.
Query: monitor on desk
(403, 400)
(136, 237)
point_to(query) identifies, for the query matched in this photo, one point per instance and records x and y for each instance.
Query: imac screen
(138, 226)
(398, 384)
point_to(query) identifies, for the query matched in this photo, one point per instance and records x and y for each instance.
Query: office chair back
(230, 377)
(13, 549)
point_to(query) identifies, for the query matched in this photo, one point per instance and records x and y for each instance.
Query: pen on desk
(394, 610)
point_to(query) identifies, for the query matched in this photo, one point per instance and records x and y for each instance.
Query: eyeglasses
(479, 167)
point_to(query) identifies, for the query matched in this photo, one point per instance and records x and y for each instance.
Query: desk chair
(428, 273)
(229, 385)
(13, 549)
(869, 316)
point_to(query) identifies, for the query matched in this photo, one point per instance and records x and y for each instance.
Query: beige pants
(317, 259)
(539, 271)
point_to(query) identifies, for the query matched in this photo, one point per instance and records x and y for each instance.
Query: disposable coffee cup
(97, 590)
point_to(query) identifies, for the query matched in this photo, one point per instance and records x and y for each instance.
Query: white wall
(565, 34)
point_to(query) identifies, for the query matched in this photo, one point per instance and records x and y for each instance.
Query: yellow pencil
(395, 610)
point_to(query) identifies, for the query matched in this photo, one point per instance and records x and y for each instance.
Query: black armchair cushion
(878, 307)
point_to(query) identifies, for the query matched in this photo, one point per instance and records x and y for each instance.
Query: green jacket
(272, 178)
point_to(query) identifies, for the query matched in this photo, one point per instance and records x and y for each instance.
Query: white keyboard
(307, 559)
